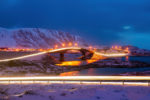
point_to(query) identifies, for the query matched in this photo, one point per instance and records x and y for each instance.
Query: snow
(35, 38)
(73, 92)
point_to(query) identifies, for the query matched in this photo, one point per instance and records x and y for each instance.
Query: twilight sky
(98, 21)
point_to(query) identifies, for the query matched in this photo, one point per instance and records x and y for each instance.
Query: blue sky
(103, 22)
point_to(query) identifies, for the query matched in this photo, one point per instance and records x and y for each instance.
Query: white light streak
(85, 80)
(61, 49)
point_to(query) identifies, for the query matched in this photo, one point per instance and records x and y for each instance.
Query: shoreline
(37, 68)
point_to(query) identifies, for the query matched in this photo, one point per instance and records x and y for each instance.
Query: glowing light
(40, 53)
(95, 49)
(91, 61)
(56, 46)
(116, 47)
(127, 58)
(63, 44)
(76, 44)
(72, 73)
(120, 47)
(112, 54)
(127, 50)
(75, 78)
(70, 44)
(70, 48)
(70, 63)
(78, 80)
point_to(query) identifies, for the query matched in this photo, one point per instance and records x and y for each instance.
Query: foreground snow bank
(73, 92)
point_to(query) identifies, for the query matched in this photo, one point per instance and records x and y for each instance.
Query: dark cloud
(100, 20)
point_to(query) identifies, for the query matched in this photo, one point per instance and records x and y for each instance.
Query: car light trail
(40, 53)
(79, 78)
(61, 49)
(85, 80)
(111, 55)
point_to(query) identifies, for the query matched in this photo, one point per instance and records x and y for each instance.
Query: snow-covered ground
(35, 38)
(73, 92)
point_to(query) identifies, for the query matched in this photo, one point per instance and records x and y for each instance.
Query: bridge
(101, 80)
(86, 54)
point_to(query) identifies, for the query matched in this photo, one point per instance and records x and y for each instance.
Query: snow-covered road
(73, 92)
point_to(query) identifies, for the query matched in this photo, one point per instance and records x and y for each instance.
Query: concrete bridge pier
(86, 54)
(83, 55)
(62, 57)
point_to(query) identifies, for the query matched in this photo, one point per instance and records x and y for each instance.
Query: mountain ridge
(36, 38)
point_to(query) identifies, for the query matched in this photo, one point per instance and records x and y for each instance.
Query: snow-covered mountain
(135, 51)
(35, 38)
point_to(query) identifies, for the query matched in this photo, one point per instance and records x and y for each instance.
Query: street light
(63, 44)
(76, 44)
(90, 47)
(70, 44)
(56, 46)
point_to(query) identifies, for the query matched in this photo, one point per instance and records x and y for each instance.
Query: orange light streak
(73, 48)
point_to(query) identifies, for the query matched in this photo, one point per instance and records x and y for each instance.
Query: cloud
(100, 20)
(137, 39)
(126, 27)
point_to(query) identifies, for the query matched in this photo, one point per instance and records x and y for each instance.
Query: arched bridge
(86, 54)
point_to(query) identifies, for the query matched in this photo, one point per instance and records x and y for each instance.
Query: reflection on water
(90, 71)
(77, 63)
(72, 73)
(103, 71)
(111, 71)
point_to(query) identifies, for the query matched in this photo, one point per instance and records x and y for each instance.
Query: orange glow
(94, 49)
(90, 47)
(76, 44)
(91, 61)
(70, 44)
(70, 63)
(73, 73)
(97, 55)
(127, 50)
(116, 47)
(127, 58)
(75, 63)
(95, 58)
(56, 46)
(63, 44)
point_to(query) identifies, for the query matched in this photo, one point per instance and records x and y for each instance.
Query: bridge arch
(86, 54)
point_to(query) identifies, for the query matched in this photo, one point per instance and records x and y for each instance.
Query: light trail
(77, 82)
(40, 53)
(61, 49)
(111, 55)
(79, 78)
(85, 80)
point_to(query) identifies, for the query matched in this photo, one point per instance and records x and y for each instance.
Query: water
(110, 71)
(142, 59)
